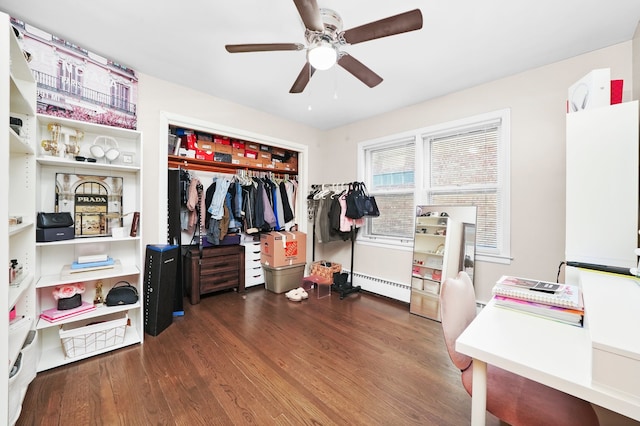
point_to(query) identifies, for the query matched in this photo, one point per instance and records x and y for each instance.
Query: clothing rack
(346, 287)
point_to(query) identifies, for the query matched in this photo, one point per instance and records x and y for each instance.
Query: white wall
(157, 99)
(537, 101)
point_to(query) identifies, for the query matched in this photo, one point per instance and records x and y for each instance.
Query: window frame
(420, 138)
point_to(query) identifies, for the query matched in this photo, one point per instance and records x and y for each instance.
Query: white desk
(557, 355)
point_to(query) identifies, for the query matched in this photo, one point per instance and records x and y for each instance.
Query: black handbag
(122, 295)
(353, 201)
(54, 220)
(360, 203)
(367, 203)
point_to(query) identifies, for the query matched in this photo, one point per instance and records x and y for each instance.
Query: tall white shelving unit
(28, 185)
(602, 185)
(54, 257)
(17, 241)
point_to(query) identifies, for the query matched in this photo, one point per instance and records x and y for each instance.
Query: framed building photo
(76, 83)
(95, 202)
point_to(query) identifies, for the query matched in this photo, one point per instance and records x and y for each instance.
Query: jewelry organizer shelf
(17, 192)
(54, 258)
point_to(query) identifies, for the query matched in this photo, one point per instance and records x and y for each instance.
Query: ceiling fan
(324, 35)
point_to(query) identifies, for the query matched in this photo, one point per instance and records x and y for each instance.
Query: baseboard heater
(383, 287)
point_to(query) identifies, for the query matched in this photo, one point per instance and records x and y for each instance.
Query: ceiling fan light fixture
(322, 56)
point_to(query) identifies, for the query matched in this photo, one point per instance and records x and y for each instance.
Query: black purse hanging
(367, 204)
(353, 201)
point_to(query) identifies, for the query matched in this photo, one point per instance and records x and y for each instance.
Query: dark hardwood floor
(260, 359)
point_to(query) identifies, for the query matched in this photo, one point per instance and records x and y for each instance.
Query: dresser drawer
(219, 264)
(217, 282)
(216, 268)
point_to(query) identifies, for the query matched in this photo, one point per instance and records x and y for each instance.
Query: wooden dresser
(220, 268)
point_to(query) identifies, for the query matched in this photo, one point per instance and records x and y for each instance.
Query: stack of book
(92, 263)
(55, 315)
(559, 302)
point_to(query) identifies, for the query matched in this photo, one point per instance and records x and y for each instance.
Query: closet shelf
(176, 161)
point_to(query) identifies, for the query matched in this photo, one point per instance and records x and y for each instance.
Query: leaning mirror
(444, 243)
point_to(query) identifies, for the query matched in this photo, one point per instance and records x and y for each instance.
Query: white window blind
(391, 178)
(463, 169)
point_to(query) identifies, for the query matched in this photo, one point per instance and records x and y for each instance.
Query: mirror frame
(459, 244)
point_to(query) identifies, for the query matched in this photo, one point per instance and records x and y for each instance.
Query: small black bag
(367, 204)
(123, 295)
(353, 199)
(360, 203)
(54, 220)
(69, 302)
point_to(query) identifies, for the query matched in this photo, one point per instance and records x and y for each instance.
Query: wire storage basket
(84, 337)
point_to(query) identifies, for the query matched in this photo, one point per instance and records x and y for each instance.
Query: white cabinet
(253, 272)
(63, 182)
(602, 185)
(17, 186)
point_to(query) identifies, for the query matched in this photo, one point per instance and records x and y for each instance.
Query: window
(391, 179)
(464, 162)
(119, 96)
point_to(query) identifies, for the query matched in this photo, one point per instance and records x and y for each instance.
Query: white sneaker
(294, 295)
(303, 294)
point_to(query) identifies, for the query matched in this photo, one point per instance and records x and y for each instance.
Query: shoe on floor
(294, 295)
(303, 294)
(297, 294)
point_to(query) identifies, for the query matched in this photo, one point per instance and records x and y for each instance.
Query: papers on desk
(522, 294)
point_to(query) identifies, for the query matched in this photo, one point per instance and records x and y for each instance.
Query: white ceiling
(463, 43)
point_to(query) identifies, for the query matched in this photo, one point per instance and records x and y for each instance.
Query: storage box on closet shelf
(325, 269)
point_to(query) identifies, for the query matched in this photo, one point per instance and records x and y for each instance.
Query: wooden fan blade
(359, 70)
(262, 47)
(310, 14)
(303, 78)
(402, 23)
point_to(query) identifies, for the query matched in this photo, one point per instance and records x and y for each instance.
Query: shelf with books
(119, 270)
